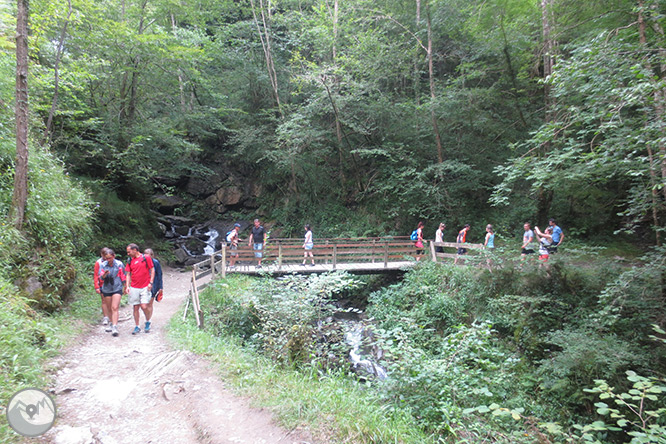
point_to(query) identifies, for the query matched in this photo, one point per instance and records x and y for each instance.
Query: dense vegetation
(363, 116)
(565, 354)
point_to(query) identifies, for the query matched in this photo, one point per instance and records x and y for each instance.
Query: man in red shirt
(140, 273)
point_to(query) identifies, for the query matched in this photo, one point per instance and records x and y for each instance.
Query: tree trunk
(20, 196)
(431, 78)
(659, 113)
(56, 73)
(335, 29)
(417, 76)
(545, 196)
(265, 38)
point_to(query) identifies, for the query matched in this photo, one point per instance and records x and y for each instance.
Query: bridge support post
(279, 256)
(386, 254)
(224, 261)
(432, 251)
(335, 255)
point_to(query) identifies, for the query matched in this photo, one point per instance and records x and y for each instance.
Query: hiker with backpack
(417, 237)
(140, 272)
(460, 240)
(112, 279)
(157, 290)
(233, 237)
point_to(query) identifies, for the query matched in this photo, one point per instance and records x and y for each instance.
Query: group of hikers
(257, 241)
(548, 240)
(140, 279)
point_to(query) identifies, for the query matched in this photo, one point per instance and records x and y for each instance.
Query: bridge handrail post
(374, 243)
(224, 261)
(386, 253)
(432, 251)
(279, 255)
(335, 254)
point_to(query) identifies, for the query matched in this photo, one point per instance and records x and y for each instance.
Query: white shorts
(138, 296)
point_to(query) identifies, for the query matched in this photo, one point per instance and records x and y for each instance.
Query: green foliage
(291, 320)
(29, 337)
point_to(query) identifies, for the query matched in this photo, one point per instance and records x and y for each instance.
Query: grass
(28, 339)
(331, 406)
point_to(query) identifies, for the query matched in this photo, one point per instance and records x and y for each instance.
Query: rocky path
(139, 390)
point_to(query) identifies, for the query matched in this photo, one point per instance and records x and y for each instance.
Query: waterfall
(212, 234)
(354, 338)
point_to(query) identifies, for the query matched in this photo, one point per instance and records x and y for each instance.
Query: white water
(354, 337)
(212, 234)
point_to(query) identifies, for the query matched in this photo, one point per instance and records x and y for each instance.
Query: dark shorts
(419, 251)
(439, 249)
(528, 251)
(552, 249)
(108, 295)
(462, 250)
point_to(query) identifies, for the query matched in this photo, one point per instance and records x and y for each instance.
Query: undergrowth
(333, 406)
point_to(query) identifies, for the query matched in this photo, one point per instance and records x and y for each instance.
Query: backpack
(229, 240)
(143, 256)
(415, 235)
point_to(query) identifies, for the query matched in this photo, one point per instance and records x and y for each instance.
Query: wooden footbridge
(368, 255)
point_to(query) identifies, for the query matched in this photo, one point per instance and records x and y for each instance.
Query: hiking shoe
(136, 330)
(147, 327)
(108, 328)
(105, 320)
(259, 266)
(114, 331)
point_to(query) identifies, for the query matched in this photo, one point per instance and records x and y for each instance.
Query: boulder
(181, 255)
(167, 204)
(229, 196)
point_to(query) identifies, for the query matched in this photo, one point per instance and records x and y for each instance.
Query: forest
(362, 118)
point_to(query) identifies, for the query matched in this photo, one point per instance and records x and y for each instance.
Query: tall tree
(20, 197)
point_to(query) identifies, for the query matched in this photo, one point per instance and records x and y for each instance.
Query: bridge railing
(327, 251)
(450, 250)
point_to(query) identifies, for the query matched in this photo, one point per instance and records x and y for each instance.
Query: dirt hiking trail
(136, 389)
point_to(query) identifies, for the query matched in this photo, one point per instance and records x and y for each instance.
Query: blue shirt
(157, 283)
(491, 241)
(557, 233)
